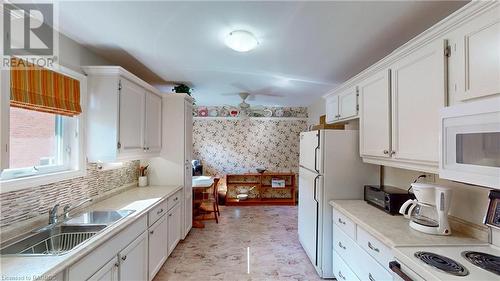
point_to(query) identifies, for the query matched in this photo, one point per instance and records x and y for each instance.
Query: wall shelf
(259, 189)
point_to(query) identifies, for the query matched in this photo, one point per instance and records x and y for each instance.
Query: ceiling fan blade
(241, 87)
(229, 94)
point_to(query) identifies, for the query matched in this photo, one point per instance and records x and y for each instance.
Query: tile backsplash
(22, 205)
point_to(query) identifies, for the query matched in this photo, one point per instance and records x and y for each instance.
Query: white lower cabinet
(158, 249)
(109, 272)
(174, 227)
(352, 262)
(137, 253)
(134, 260)
(341, 270)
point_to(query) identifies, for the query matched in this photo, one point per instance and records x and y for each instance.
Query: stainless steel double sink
(63, 237)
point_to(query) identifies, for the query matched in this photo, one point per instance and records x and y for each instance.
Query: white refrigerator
(330, 168)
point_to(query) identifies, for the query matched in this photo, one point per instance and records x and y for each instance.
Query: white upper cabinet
(131, 117)
(152, 137)
(418, 93)
(348, 103)
(342, 106)
(400, 96)
(332, 109)
(475, 57)
(124, 116)
(375, 115)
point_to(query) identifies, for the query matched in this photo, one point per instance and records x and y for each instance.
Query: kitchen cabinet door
(187, 204)
(348, 103)
(375, 115)
(475, 53)
(158, 246)
(153, 123)
(131, 117)
(109, 272)
(188, 201)
(332, 109)
(418, 93)
(134, 260)
(174, 227)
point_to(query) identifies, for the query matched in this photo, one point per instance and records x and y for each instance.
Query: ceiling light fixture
(241, 41)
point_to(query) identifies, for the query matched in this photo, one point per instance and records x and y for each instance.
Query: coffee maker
(428, 213)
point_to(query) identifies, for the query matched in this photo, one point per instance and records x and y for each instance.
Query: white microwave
(470, 143)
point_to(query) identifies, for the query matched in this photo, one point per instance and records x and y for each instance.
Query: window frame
(75, 133)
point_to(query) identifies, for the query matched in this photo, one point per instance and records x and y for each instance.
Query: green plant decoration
(182, 88)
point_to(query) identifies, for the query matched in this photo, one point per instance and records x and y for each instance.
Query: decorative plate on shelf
(203, 112)
(278, 113)
(224, 112)
(234, 112)
(213, 112)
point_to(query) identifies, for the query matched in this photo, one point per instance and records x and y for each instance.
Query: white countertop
(394, 231)
(141, 200)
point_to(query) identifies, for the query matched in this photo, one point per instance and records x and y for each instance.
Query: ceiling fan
(246, 109)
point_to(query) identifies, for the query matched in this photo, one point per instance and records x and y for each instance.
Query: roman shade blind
(36, 88)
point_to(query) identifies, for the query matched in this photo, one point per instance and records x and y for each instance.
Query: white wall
(314, 111)
(74, 55)
(469, 203)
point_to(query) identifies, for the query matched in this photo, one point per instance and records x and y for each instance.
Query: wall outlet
(430, 178)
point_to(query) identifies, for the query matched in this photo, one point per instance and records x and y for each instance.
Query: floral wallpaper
(233, 145)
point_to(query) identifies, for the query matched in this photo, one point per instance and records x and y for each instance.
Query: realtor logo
(27, 29)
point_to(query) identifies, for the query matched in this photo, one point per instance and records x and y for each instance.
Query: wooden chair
(210, 201)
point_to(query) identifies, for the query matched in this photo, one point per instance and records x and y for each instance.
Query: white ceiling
(306, 48)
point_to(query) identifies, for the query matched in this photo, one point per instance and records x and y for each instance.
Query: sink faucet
(53, 214)
(67, 208)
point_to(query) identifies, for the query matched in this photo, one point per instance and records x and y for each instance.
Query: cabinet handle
(152, 232)
(341, 221)
(386, 151)
(124, 258)
(117, 264)
(169, 215)
(396, 268)
(159, 212)
(176, 198)
(341, 276)
(373, 248)
(342, 246)
(371, 277)
(393, 152)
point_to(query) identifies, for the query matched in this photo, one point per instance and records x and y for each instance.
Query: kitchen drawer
(344, 223)
(174, 199)
(341, 271)
(379, 251)
(361, 263)
(158, 211)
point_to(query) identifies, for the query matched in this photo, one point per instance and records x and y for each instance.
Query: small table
(200, 184)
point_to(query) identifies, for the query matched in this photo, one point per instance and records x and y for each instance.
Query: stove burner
(483, 260)
(442, 263)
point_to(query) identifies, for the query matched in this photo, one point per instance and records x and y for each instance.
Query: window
(39, 143)
(41, 126)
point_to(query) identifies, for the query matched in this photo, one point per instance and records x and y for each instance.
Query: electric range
(451, 262)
